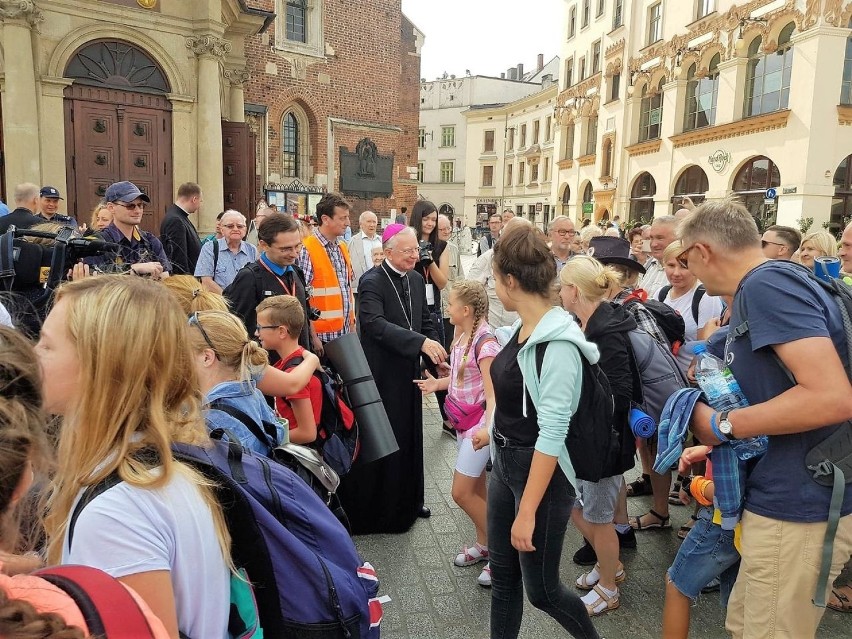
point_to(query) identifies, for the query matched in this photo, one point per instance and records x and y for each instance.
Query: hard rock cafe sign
(719, 160)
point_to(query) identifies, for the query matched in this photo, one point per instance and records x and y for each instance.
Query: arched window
(692, 183)
(841, 204)
(119, 65)
(566, 200)
(750, 184)
(588, 199)
(701, 96)
(846, 85)
(448, 210)
(290, 146)
(592, 135)
(606, 165)
(651, 112)
(642, 198)
(768, 75)
(568, 142)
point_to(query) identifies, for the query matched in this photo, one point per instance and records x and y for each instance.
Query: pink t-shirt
(471, 388)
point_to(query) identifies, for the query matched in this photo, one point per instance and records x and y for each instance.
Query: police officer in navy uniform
(48, 207)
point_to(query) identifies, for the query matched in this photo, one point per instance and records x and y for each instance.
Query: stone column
(210, 50)
(729, 101)
(237, 106)
(20, 104)
(52, 132)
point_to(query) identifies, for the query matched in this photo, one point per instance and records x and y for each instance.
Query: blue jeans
(538, 571)
(706, 553)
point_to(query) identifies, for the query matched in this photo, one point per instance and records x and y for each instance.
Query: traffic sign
(771, 194)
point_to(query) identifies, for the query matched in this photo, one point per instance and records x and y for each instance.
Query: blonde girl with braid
(469, 406)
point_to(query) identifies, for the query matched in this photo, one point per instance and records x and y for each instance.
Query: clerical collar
(394, 269)
(278, 270)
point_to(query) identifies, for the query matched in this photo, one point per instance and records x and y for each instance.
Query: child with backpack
(537, 391)
(279, 323)
(120, 500)
(469, 406)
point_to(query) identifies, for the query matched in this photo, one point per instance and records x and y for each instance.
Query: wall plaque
(365, 173)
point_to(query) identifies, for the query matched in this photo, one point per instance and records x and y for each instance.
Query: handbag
(461, 415)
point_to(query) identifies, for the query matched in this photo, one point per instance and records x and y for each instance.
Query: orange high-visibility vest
(327, 296)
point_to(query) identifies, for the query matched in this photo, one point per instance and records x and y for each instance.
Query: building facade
(509, 158)
(328, 82)
(95, 91)
(442, 165)
(706, 98)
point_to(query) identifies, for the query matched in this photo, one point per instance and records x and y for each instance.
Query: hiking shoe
(586, 556)
(484, 578)
(626, 539)
(470, 556)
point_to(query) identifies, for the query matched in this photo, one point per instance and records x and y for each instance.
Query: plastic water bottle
(724, 394)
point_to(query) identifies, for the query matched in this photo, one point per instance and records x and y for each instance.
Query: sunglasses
(193, 321)
(763, 243)
(132, 205)
(683, 258)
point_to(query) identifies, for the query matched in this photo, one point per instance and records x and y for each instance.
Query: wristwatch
(725, 426)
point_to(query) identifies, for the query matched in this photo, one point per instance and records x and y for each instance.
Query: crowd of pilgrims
(124, 363)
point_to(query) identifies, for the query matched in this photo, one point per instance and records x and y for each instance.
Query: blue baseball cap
(50, 192)
(124, 192)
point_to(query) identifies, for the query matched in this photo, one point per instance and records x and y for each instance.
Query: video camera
(34, 270)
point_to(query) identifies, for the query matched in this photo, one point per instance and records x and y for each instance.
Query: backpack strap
(838, 490)
(661, 294)
(266, 432)
(479, 343)
(107, 606)
(215, 256)
(696, 302)
(86, 498)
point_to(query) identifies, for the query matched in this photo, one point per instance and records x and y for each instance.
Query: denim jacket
(243, 396)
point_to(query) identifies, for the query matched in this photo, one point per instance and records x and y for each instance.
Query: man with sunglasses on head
(222, 259)
(142, 250)
(780, 242)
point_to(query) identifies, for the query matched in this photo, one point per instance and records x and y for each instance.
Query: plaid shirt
(344, 277)
(644, 319)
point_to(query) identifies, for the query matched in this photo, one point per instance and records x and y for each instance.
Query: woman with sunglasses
(227, 362)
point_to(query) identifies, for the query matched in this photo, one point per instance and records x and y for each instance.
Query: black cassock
(385, 496)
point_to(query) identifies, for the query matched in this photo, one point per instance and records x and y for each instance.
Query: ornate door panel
(238, 166)
(144, 139)
(94, 158)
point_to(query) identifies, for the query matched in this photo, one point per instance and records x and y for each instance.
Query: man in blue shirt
(791, 323)
(48, 205)
(222, 259)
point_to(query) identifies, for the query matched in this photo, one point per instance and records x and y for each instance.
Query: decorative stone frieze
(208, 45)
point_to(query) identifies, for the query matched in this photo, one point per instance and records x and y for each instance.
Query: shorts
(469, 462)
(706, 553)
(597, 499)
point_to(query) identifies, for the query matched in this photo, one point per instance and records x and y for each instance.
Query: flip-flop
(663, 522)
(845, 604)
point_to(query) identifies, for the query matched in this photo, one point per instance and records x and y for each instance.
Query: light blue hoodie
(557, 393)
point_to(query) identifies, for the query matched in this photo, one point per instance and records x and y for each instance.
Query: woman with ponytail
(601, 507)
(469, 406)
(227, 362)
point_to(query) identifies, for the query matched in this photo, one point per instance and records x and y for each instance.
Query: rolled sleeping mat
(642, 424)
(375, 433)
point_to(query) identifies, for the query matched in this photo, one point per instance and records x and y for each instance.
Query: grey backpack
(656, 370)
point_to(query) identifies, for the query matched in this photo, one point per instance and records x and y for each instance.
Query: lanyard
(289, 291)
(408, 317)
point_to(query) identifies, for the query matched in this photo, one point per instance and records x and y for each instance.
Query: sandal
(674, 494)
(640, 486)
(612, 602)
(844, 606)
(584, 581)
(683, 531)
(662, 522)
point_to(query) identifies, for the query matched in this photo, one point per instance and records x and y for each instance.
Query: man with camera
(274, 273)
(328, 271)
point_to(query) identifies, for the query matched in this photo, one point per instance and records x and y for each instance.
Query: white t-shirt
(708, 308)
(5, 318)
(128, 530)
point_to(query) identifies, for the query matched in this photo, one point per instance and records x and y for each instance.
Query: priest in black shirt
(386, 496)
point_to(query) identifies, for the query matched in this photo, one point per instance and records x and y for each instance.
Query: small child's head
(468, 299)
(280, 320)
(378, 255)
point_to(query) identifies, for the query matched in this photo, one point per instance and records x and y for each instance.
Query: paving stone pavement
(433, 599)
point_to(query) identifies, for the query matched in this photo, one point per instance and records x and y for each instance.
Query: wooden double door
(114, 135)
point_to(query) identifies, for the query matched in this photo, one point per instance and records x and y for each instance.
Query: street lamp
(740, 44)
(678, 69)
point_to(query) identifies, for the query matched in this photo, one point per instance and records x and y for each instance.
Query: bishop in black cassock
(386, 496)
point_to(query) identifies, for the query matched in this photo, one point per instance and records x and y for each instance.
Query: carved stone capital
(237, 77)
(21, 10)
(208, 45)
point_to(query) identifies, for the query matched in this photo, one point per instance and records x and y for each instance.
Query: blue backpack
(306, 576)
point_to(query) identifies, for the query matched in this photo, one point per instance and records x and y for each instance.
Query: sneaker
(484, 578)
(713, 586)
(586, 556)
(470, 556)
(626, 539)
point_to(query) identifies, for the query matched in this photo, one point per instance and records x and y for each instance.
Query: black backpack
(592, 443)
(669, 320)
(696, 299)
(337, 430)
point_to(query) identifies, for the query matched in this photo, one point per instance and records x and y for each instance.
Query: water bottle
(724, 394)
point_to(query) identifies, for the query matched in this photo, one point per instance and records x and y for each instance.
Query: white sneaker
(484, 578)
(470, 556)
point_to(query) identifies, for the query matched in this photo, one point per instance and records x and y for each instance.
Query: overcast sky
(485, 36)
